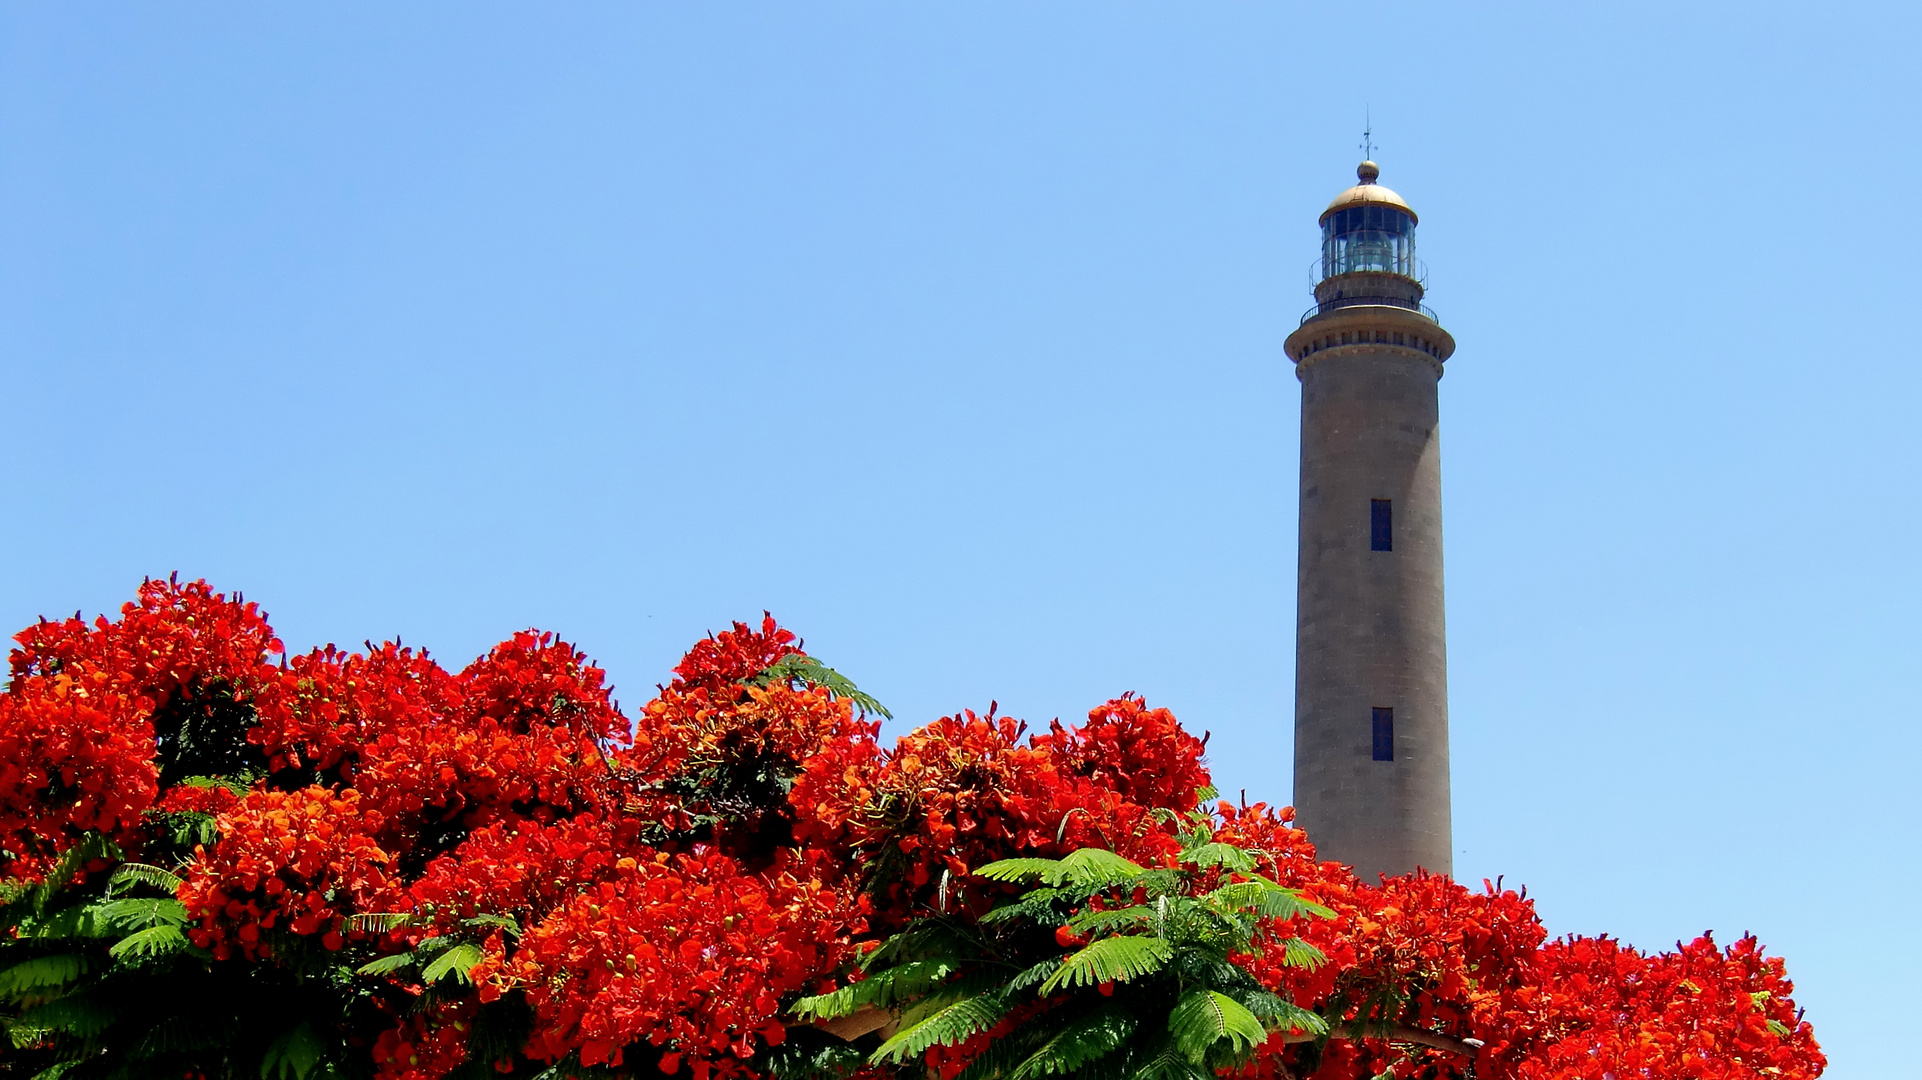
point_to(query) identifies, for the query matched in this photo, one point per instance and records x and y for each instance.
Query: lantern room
(1368, 228)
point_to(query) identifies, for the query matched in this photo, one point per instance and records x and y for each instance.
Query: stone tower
(1371, 659)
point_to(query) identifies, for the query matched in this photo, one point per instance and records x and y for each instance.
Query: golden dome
(1369, 193)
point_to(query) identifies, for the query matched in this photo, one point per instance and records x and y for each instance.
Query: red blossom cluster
(965, 790)
(720, 660)
(687, 954)
(1426, 952)
(302, 860)
(655, 893)
(1601, 1009)
(75, 757)
(79, 746)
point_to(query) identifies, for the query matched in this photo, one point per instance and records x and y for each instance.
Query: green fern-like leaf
(1203, 967)
(239, 783)
(1281, 902)
(34, 900)
(23, 1036)
(121, 916)
(1082, 1042)
(1206, 1017)
(1003, 1055)
(1265, 898)
(148, 944)
(1034, 975)
(1096, 866)
(1215, 853)
(1298, 953)
(1094, 922)
(946, 1026)
(387, 965)
(497, 922)
(1238, 896)
(1278, 1013)
(1112, 959)
(379, 922)
(1275, 1011)
(1018, 869)
(457, 961)
(811, 671)
(30, 977)
(68, 922)
(973, 984)
(1169, 1064)
(1083, 866)
(881, 988)
(74, 1014)
(153, 877)
(293, 1055)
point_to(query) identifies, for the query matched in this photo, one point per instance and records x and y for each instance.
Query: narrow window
(1384, 734)
(1381, 525)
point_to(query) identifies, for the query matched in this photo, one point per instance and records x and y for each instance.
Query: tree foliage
(1100, 967)
(222, 861)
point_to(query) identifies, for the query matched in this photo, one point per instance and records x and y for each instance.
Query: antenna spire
(1368, 136)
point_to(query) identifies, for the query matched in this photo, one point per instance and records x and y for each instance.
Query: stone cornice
(1369, 329)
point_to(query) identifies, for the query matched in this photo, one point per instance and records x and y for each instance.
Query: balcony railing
(1370, 301)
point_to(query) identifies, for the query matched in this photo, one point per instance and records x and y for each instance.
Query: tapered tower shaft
(1371, 658)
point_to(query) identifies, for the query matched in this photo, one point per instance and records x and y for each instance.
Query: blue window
(1381, 525)
(1384, 734)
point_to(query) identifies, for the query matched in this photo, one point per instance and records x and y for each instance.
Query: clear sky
(952, 336)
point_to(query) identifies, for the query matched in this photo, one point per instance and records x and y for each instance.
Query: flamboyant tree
(220, 861)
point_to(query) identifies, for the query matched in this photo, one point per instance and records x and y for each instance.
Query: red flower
(667, 888)
(688, 953)
(298, 861)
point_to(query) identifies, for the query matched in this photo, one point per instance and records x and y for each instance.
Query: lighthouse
(1371, 656)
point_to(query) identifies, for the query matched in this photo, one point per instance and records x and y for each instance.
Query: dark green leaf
(1205, 1017)
(293, 1055)
(946, 1026)
(457, 961)
(1113, 959)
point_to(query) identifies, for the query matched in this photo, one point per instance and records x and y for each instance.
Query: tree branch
(1396, 1033)
(858, 1023)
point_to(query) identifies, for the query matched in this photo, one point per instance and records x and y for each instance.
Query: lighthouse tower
(1371, 659)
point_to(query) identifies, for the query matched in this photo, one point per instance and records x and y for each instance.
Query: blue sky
(953, 337)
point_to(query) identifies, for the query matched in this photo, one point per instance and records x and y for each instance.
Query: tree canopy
(219, 860)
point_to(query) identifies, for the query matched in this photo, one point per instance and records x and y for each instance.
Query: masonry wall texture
(1370, 626)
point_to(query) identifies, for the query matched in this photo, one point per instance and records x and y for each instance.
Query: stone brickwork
(1370, 631)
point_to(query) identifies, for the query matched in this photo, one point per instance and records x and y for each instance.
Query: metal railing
(1370, 301)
